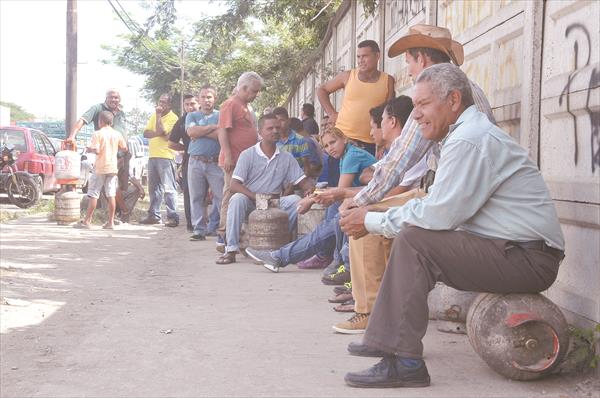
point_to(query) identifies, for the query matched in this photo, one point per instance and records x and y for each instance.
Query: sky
(32, 53)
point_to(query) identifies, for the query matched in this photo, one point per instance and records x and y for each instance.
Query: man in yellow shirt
(106, 143)
(161, 167)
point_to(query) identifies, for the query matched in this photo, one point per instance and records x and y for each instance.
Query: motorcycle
(22, 188)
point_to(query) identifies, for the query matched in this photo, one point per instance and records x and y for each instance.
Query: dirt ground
(143, 312)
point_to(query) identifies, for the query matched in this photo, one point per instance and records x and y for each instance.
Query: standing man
(106, 143)
(161, 165)
(364, 88)
(308, 119)
(237, 132)
(204, 171)
(111, 104)
(179, 141)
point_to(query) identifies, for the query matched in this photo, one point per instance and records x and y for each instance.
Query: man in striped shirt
(424, 45)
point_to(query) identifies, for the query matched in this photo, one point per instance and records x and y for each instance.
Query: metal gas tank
(308, 221)
(520, 336)
(66, 207)
(450, 307)
(267, 227)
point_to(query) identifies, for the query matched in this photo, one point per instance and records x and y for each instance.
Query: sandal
(81, 225)
(226, 258)
(107, 226)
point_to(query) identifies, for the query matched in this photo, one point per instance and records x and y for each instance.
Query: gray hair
(247, 78)
(445, 78)
(112, 90)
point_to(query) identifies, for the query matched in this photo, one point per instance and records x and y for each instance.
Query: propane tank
(268, 224)
(67, 165)
(66, 207)
(449, 306)
(520, 336)
(308, 221)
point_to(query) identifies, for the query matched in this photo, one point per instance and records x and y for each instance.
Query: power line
(141, 35)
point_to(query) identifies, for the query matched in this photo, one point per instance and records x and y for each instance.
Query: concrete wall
(539, 64)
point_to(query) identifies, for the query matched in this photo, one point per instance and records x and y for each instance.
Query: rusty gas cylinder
(308, 221)
(267, 227)
(449, 306)
(66, 207)
(520, 336)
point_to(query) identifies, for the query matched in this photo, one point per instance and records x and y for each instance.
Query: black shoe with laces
(390, 372)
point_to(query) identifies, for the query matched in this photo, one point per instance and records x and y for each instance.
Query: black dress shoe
(361, 350)
(389, 373)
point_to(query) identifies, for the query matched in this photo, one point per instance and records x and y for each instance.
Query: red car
(35, 153)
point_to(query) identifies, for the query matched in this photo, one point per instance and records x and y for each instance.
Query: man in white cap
(424, 46)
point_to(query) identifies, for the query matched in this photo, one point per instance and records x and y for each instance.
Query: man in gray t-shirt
(261, 168)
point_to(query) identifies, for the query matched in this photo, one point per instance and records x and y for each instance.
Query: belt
(205, 159)
(540, 245)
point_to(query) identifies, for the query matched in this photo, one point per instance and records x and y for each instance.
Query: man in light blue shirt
(488, 224)
(203, 168)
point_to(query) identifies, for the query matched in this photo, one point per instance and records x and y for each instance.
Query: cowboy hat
(429, 36)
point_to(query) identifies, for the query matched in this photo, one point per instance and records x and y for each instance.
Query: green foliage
(275, 38)
(17, 113)
(136, 120)
(583, 348)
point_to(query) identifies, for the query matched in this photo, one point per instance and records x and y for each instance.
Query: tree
(136, 121)
(275, 38)
(17, 113)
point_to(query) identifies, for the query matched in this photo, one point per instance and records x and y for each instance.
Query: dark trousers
(186, 191)
(464, 261)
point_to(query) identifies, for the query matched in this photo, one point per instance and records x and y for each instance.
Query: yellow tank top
(359, 98)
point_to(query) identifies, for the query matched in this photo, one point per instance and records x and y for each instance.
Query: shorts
(98, 181)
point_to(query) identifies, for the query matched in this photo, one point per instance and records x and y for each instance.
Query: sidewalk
(143, 312)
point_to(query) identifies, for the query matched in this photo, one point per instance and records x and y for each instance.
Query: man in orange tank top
(364, 88)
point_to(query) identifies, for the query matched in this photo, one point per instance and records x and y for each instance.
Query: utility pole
(181, 78)
(71, 61)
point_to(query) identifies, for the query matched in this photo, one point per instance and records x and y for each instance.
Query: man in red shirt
(237, 132)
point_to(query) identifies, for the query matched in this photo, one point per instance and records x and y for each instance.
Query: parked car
(35, 154)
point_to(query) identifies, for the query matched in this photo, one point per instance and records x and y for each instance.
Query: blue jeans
(201, 176)
(161, 181)
(240, 206)
(321, 240)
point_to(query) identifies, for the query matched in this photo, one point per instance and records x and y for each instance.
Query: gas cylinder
(267, 225)
(449, 306)
(67, 166)
(66, 207)
(520, 336)
(308, 221)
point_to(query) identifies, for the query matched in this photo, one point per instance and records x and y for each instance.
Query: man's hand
(329, 196)
(305, 204)
(347, 204)
(228, 164)
(332, 119)
(352, 222)
(159, 110)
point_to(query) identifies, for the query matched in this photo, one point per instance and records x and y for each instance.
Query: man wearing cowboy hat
(424, 45)
(488, 224)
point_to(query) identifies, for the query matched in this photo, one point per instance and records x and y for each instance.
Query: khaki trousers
(461, 260)
(369, 256)
(225, 203)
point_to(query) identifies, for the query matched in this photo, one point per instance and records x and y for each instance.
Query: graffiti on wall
(402, 11)
(593, 82)
(458, 16)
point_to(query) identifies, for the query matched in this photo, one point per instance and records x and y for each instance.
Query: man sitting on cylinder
(262, 168)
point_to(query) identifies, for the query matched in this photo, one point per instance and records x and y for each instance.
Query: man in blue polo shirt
(203, 169)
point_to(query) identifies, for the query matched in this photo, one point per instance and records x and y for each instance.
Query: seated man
(261, 169)
(130, 189)
(488, 224)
